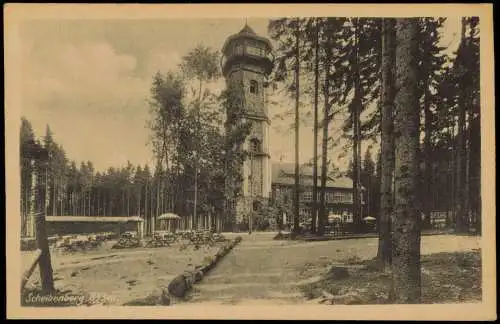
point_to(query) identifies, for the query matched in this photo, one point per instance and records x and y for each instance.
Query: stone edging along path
(181, 284)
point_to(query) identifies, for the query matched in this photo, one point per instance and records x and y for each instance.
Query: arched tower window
(255, 145)
(254, 87)
(256, 205)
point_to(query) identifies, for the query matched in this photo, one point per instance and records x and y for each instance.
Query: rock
(158, 297)
(131, 282)
(337, 273)
(198, 276)
(148, 301)
(222, 251)
(349, 298)
(190, 278)
(208, 260)
(178, 286)
(164, 298)
(208, 266)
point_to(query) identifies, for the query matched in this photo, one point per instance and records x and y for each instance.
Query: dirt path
(260, 269)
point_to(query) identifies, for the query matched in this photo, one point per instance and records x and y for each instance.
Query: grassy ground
(267, 271)
(447, 277)
(117, 276)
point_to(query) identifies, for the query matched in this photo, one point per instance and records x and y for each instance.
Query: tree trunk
(158, 198)
(62, 197)
(139, 202)
(297, 94)
(452, 172)
(33, 201)
(152, 206)
(356, 109)
(44, 262)
(387, 142)
(406, 220)
(469, 95)
(461, 224)
(467, 164)
(315, 166)
(99, 203)
(84, 203)
(428, 185)
(475, 169)
(128, 201)
(54, 197)
(324, 151)
(146, 214)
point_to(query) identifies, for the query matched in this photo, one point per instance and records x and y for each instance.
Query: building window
(346, 197)
(254, 87)
(307, 196)
(342, 197)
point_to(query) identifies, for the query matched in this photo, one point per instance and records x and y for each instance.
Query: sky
(89, 80)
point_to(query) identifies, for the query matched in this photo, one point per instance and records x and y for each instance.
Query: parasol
(169, 216)
(369, 218)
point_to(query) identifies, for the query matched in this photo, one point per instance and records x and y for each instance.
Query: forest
(343, 67)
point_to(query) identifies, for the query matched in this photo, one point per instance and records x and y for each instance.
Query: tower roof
(247, 32)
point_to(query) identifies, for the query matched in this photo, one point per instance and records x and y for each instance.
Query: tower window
(255, 145)
(254, 87)
(256, 205)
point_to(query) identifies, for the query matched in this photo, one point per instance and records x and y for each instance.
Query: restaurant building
(338, 196)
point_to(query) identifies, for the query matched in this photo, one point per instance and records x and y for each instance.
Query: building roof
(284, 174)
(103, 219)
